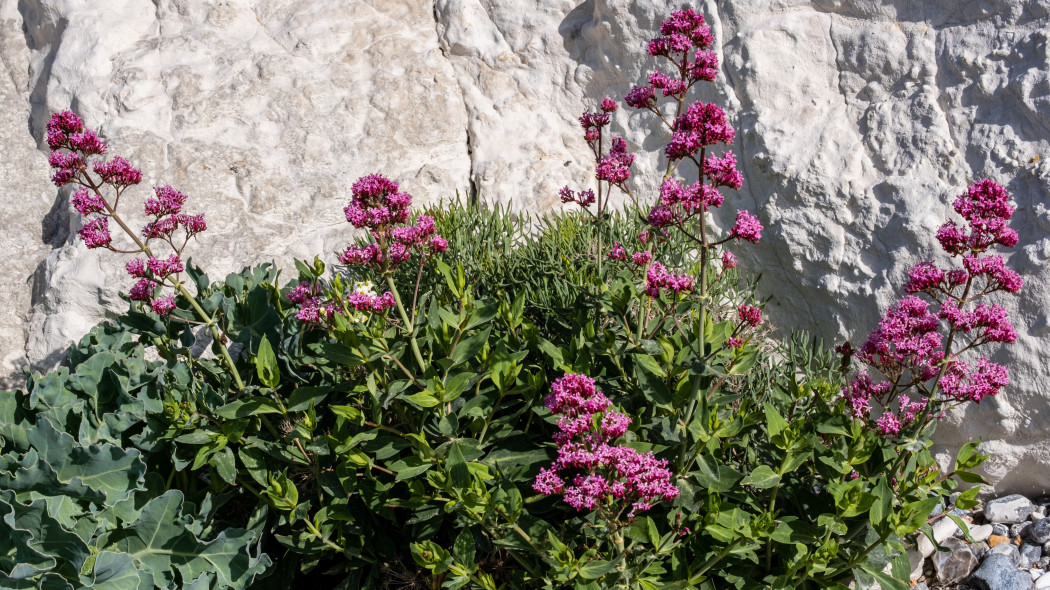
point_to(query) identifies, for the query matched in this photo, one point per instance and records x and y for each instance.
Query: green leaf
(266, 364)
(160, 544)
(470, 346)
(304, 397)
(117, 571)
(761, 478)
(593, 570)
(225, 464)
(882, 507)
(463, 549)
(968, 499)
(914, 514)
(774, 421)
(56, 465)
(790, 530)
(650, 364)
(970, 477)
(252, 406)
(962, 526)
(423, 399)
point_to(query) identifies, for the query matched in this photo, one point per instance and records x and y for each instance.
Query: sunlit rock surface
(857, 124)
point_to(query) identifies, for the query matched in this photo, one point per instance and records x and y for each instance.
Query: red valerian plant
(919, 344)
(75, 158)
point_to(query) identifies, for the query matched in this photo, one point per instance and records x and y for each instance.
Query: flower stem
(409, 327)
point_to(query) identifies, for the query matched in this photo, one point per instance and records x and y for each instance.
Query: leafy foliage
(78, 507)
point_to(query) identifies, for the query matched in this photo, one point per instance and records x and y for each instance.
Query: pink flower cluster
(909, 347)
(379, 206)
(166, 211)
(589, 472)
(702, 125)
(72, 146)
(987, 210)
(684, 39)
(613, 168)
(152, 274)
(657, 279)
(315, 309)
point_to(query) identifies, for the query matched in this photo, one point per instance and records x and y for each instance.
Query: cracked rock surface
(857, 123)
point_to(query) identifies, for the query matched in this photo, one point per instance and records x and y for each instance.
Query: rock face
(857, 123)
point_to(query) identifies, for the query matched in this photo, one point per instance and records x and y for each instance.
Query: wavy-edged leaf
(160, 544)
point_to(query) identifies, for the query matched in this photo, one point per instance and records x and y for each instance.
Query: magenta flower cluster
(378, 205)
(919, 340)
(590, 473)
(612, 168)
(316, 309)
(72, 147)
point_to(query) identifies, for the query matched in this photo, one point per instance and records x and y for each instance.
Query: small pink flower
(118, 172)
(749, 315)
(747, 227)
(163, 306)
(728, 260)
(87, 202)
(96, 233)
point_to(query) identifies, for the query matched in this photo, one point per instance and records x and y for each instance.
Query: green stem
(695, 578)
(408, 324)
(320, 537)
(492, 414)
(623, 578)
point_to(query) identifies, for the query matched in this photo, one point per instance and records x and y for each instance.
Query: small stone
(995, 540)
(980, 550)
(1008, 550)
(999, 573)
(1000, 529)
(1032, 552)
(1039, 531)
(1016, 530)
(981, 532)
(1043, 582)
(1009, 509)
(920, 586)
(955, 564)
(1040, 510)
(916, 560)
(1044, 561)
(1036, 573)
(1035, 516)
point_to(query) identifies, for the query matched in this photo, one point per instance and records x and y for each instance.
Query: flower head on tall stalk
(77, 159)
(378, 205)
(920, 344)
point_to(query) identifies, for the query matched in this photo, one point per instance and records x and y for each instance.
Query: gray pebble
(1039, 531)
(999, 573)
(1031, 552)
(1000, 529)
(1018, 529)
(1009, 509)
